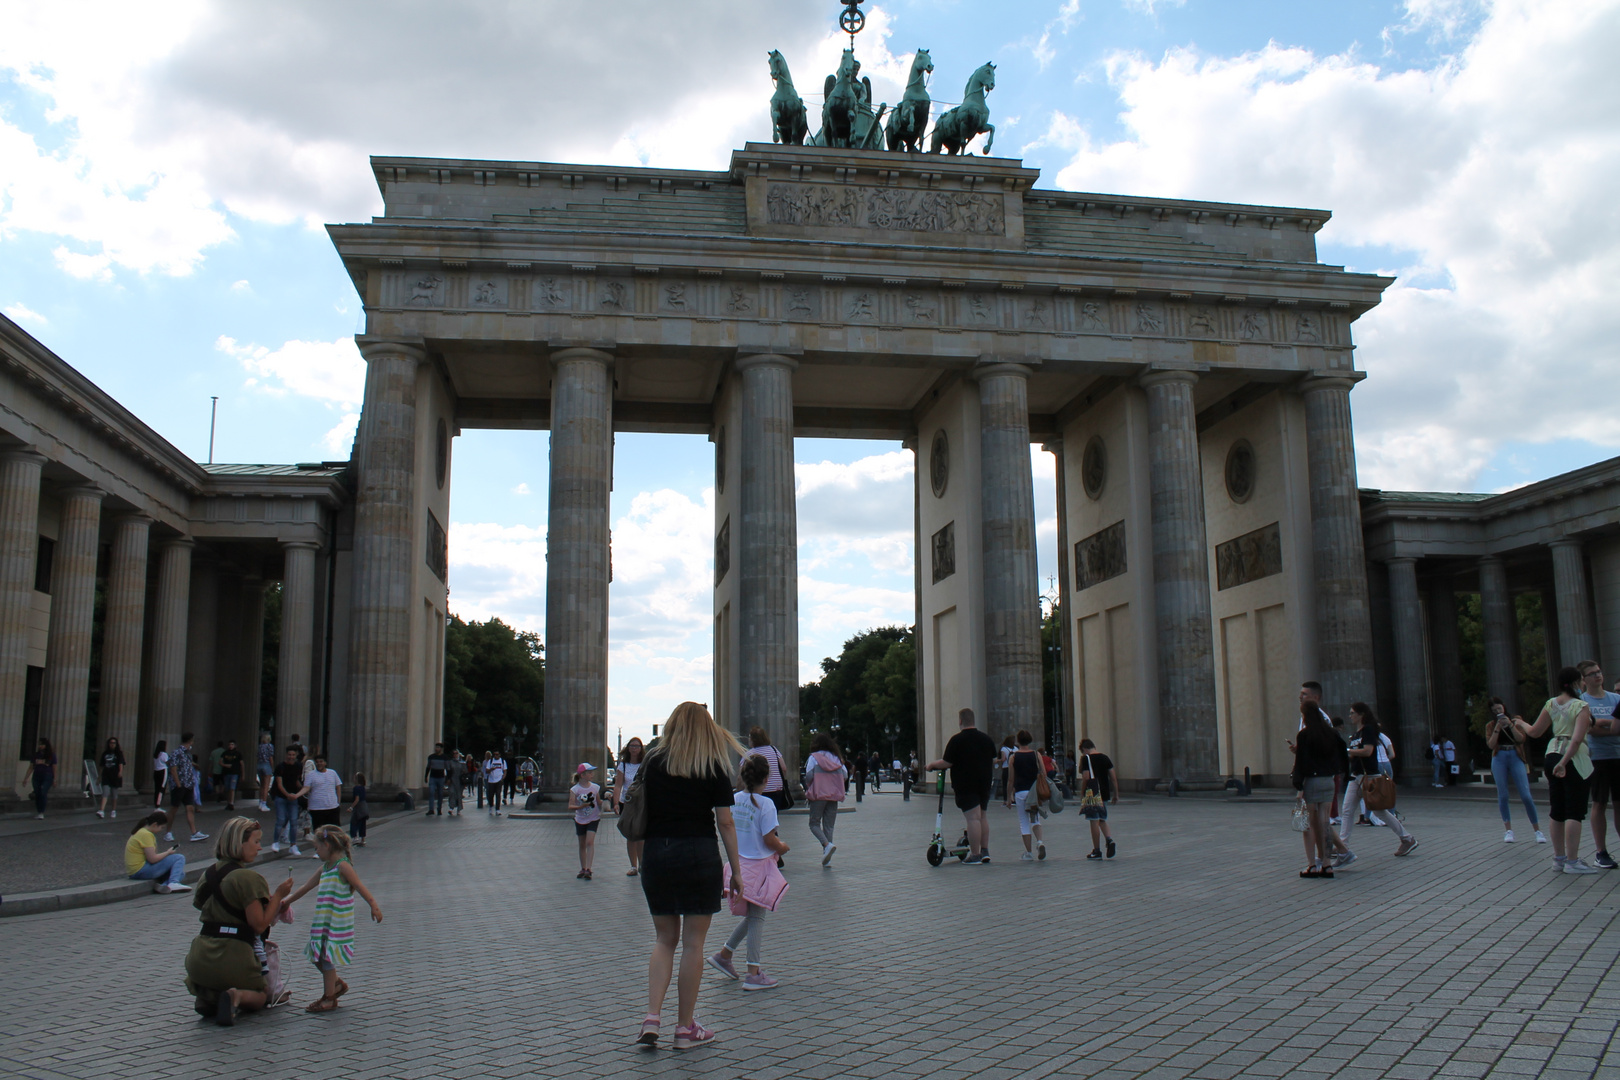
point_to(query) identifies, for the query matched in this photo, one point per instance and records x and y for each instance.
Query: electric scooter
(936, 847)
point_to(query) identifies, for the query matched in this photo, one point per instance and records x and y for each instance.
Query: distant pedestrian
(325, 794)
(688, 790)
(1508, 760)
(824, 787)
(630, 759)
(435, 773)
(144, 862)
(1098, 776)
(112, 776)
(1318, 757)
(874, 765)
(1003, 765)
(1569, 768)
(1603, 744)
(160, 773)
(42, 771)
(455, 780)
(475, 777)
(971, 756)
(1449, 748)
(216, 770)
(494, 780)
(287, 789)
(860, 777)
(760, 886)
(776, 785)
(331, 927)
(585, 800)
(359, 811)
(187, 790)
(1437, 758)
(1026, 767)
(1362, 754)
(264, 767)
(231, 765)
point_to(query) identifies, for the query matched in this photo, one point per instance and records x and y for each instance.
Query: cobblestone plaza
(1196, 953)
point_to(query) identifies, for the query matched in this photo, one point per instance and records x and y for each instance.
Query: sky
(166, 170)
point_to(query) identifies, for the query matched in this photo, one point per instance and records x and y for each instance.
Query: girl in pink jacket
(824, 781)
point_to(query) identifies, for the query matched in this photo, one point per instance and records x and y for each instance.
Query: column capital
(1336, 380)
(287, 545)
(1490, 560)
(85, 490)
(373, 348)
(177, 542)
(1567, 542)
(991, 369)
(135, 517)
(573, 353)
(1401, 560)
(762, 359)
(26, 454)
(1053, 446)
(1162, 376)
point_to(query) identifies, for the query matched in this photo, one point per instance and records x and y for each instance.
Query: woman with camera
(686, 783)
(1507, 767)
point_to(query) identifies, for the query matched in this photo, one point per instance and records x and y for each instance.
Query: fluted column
(1406, 617)
(1575, 637)
(1501, 632)
(384, 525)
(1186, 672)
(1445, 652)
(122, 635)
(169, 636)
(1343, 612)
(245, 729)
(1012, 607)
(19, 549)
(768, 553)
(62, 714)
(297, 639)
(202, 651)
(577, 562)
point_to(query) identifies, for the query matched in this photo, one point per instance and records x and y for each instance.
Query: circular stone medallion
(939, 464)
(1094, 468)
(1240, 471)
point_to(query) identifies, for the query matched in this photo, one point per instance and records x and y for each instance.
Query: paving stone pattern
(1196, 953)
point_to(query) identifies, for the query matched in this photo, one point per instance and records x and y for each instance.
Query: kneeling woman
(225, 969)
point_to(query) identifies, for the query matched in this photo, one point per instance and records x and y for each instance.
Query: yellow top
(135, 850)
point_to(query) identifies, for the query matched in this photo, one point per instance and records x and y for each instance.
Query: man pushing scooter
(971, 756)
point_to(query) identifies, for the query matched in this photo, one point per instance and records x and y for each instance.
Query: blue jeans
(1440, 767)
(286, 814)
(1506, 767)
(435, 794)
(42, 788)
(171, 866)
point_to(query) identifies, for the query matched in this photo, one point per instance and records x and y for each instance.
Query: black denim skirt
(681, 875)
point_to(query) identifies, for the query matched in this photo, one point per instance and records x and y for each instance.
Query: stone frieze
(844, 206)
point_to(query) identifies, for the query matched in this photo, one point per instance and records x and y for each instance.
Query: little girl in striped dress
(331, 929)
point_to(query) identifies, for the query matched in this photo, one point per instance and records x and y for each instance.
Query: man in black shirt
(230, 773)
(971, 757)
(438, 769)
(1097, 773)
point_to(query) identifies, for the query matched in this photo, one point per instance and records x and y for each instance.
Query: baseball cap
(584, 766)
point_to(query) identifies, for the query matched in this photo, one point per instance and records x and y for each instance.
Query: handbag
(1378, 791)
(1301, 821)
(275, 983)
(1091, 800)
(633, 813)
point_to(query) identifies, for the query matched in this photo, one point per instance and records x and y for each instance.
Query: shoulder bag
(633, 813)
(785, 796)
(1091, 801)
(1378, 791)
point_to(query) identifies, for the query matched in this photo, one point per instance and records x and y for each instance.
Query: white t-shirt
(755, 818)
(495, 770)
(161, 762)
(1385, 748)
(323, 789)
(589, 796)
(1451, 750)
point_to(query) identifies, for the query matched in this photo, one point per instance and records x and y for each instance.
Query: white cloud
(329, 371)
(1486, 172)
(499, 571)
(340, 440)
(22, 313)
(241, 286)
(522, 489)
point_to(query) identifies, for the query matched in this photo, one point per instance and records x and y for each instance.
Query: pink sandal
(649, 1031)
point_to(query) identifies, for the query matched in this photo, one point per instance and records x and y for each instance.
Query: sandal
(321, 1004)
(1311, 871)
(649, 1031)
(342, 988)
(633, 872)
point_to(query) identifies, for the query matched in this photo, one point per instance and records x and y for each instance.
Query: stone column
(1186, 675)
(1501, 632)
(385, 524)
(1012, 605)
(918, 680)
(1406, 611)
(1343, 613)
(768, 554)
(297, 640)
(202, 652)
(1445, 652)
(577, 562)
(62, 714)
(168, 691)
(122, 636)
(1069, 739)
(1554, 647)
(244, 727)
(19, 550)
(1575, 637)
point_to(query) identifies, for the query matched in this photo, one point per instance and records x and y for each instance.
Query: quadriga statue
(789, 123)
(957, 127)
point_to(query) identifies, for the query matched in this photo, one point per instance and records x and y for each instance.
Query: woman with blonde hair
(687, 785)
(224, 971)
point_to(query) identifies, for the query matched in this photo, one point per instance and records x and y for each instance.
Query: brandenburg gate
(1189, 364)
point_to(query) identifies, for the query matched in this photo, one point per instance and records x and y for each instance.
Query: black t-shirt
(112, 762)
(972, 755)
(1364, 766)
(1024, 764)
(230, 763)
(1101, 767)
(683, 806)
(289, 779)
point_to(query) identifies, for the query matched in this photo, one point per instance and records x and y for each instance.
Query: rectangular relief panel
(1100, 556)
(1249, 557)
(438, 549)
(722, 551)
(943, 547)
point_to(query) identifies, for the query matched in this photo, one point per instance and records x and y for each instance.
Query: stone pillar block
(1446, 667)
(19, 548)
(297, 641)
(1501, 632)
(169, 639)
(577, 563)
(244, 724)
(122, 636)
(62, 714)
(1411, 667)
(1012, 610)
(1576, 640)
(1186, 671)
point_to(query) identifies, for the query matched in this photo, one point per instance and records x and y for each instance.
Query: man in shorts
(230, 773)
(1097, 773)
(971, 757)
(1603, 744)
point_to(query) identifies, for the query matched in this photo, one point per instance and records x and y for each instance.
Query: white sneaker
(196, 836)
(101, 813)
(115, 813)
(1541, 837)
(276, 847)
(827, 853)
(296, 853)
(1576, 866)
(1026, 857)
(168, 837)
(173, 888)
(264, 808)
(39, 817)
(1508, 839)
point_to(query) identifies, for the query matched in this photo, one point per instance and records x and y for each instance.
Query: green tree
(494, 683)
(866, 704)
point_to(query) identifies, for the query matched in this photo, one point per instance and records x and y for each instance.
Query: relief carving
(1100, 556)
(1091, 317)
(613, 293)
(740, 301)
(919, 308)
(1203, 321)
(979, 309)
(675, 296)
(550, 293)
(1035, 316)
(799, 303)
(823, 206)
(943, 546)
(1253, 326)
(1249, 557)
(860, 306)
(427, 290)
(1148, 321)
(1307, 330)
(486, 294)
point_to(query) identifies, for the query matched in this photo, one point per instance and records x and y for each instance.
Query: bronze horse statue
(910, 118)
(789, 123)
(839, 106)
(958, 126)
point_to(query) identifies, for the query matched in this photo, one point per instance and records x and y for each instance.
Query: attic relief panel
(851, 207)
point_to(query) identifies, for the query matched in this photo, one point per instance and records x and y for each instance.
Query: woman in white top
(325, 794)
(629, 764)
(160, 771)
